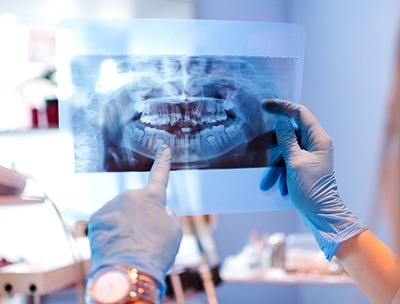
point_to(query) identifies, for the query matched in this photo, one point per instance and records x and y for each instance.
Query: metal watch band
(143, 288)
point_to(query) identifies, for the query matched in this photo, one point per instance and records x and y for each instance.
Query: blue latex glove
(309, 176)
(134, 229)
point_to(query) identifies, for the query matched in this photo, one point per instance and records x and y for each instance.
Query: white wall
(254, 10)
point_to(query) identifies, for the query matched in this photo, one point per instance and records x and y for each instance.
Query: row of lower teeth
(211, 138)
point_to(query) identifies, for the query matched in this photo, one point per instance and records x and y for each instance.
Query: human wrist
(145, 264)
(330, 239)
(118, 284)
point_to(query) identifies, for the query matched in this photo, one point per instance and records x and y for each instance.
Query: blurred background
(351, 47)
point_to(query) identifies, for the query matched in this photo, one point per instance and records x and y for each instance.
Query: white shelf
(279, 276)
(11, 200)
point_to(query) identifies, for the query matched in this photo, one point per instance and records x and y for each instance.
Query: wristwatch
(117, 284)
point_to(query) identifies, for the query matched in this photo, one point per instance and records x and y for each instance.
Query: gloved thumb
(159, 172)
(286, 137)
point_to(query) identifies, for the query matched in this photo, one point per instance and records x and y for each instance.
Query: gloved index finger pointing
(159, 172)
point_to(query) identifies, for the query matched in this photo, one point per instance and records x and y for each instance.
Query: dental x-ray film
(128, 86)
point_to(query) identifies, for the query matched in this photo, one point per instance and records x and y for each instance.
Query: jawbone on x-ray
(205, 108)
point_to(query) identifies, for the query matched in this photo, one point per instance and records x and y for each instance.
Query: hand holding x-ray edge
(134, 229)
(308, 177)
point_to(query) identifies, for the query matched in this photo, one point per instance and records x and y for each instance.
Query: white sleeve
(396, 299)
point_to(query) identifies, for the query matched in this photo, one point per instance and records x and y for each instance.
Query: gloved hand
(309, 177)
(134, 229)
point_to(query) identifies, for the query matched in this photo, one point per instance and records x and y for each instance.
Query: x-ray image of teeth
(205, 108)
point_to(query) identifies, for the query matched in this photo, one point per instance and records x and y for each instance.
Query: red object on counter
(52, 113)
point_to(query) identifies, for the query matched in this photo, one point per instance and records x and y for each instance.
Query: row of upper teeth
(190, 114)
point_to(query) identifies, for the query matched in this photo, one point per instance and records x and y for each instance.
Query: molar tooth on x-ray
(205, 108)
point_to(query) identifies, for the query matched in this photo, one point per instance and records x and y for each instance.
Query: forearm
(372, 265)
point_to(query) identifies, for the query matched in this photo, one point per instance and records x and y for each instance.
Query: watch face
(110, 287)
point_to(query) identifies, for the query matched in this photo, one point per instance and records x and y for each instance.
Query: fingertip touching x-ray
(191, 87)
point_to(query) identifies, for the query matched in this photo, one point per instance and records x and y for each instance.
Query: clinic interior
(254, 257)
